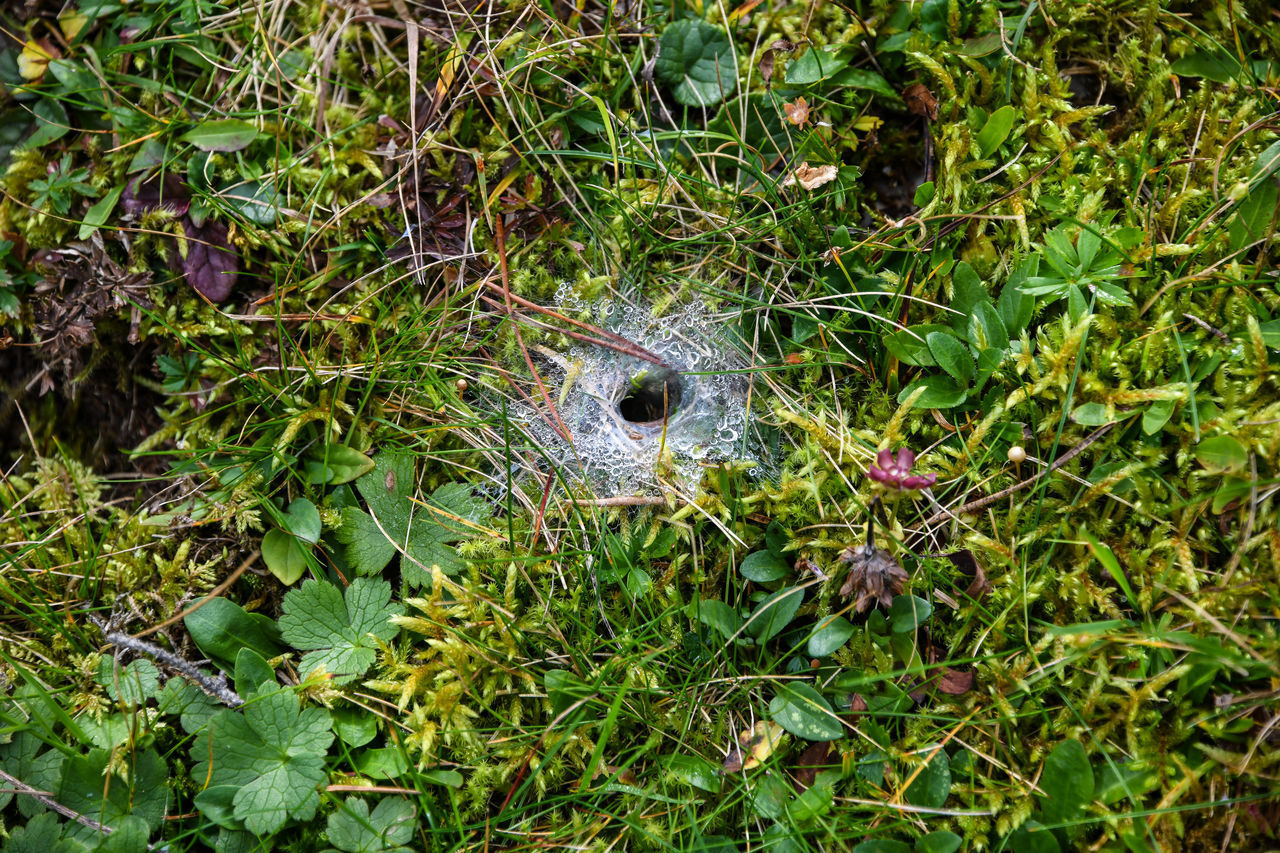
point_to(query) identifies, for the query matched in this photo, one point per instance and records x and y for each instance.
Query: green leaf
(911, 347)
(762, 567)
(1015, 306)
(133, 684)
(1108, 559)
(565, 689)
(1067, 782)
(968, 292)
(939, 841)
(803, 711)
(273, 752)
(98, 215)
(42, 834)
(285, 557)
(130, 837)
(354, 830)
(1218, 66)
(1032, 837)
(257, 201)
(952, 356)
(932, 784)
(88, 788)
(940, 392)
(814, 801)
(1255, 216)
(340, 632)
(221, 628)
(1156, 416)
(908, 613)
(396, 523)
(995, 132)
(1126, 780)
(252, 670)
(770, 796)
(883, 845)
(830, 635)
(194, 707)
(819, 63)
(227, 134)
(696, 60)
(774, 613)
(924, 194)
(718, 615)
(381, 763)
(22, 758)
(1091, 414)
(862, 78)
(986, 329)
(302, 519)
(52, 124)
(1222, 454)
(696, 771)
(334, 464)
(354, 725)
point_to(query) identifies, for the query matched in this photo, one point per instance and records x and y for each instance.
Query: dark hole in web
(652, 396)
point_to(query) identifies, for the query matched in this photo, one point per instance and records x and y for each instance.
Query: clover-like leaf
(696, 60)
(339, 631)
(272, 753)
(395, 523)
(353, 829)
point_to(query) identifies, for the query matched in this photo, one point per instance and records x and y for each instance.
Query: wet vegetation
(656, 426)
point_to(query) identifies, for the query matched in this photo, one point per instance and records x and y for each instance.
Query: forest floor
(656, 426)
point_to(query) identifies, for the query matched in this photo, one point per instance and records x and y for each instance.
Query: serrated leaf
(273, 753)
(773, 614)
(395, 523)
(133, 684)
(952, 356)
(801, 710)
(696, 60)
(831, 634)
(23, 759)
(227, 134)
(85, 788)
(339, 632)
(995, 131)
(194, 707)
(763, 567)
(986, 329)
(354, 829)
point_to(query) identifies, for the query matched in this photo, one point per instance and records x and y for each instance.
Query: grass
(1073, 324)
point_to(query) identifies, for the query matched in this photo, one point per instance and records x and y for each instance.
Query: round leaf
(302, 519)
(801, 710)
(941, 841)
(228, 134)
(932, 784)
(1222, 453)
(284, 556)
(762, 567)
(907, 613)
(696, 60)
(830, 635)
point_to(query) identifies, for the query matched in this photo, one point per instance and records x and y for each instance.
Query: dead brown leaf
(816, 757)
(768, 58)
(921, 101)
(811, 177)
(753, 747)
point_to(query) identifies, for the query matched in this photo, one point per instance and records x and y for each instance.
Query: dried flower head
(874, 576)
(895, 471)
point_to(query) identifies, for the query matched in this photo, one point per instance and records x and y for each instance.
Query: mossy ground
(1000, 234)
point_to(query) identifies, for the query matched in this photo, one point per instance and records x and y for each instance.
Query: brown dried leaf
(210, 266)
(797, 112)
(811, 177)
(816, 757)
(970, 568)
(921, 101)
(769, 57)
(955, 682)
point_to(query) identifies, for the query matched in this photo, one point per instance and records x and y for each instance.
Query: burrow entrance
(652, 396)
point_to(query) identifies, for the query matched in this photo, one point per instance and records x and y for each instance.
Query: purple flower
(895, 472)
